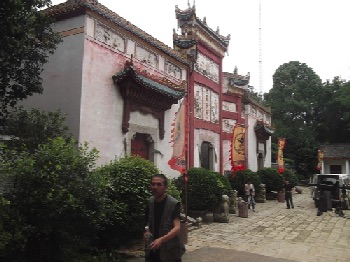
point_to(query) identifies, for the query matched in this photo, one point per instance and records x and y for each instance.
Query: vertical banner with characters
(280, 159)
(320, 155)
(238, 148)
(179, 133)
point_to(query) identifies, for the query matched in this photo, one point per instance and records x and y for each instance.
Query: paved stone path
(273, 233)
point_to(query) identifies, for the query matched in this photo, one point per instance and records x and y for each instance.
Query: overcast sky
(315, 32)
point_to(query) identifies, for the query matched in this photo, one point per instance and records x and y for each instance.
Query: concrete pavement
(273, 233)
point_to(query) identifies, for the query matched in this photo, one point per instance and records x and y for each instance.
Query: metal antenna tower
(260, 54)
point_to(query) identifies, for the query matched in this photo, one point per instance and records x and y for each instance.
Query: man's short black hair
(162, 176)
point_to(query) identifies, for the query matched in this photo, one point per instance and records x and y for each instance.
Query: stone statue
(242, 208)
(221, 211)
(261, 196)
(233, 202)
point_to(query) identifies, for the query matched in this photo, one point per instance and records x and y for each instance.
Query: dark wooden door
(139, 146)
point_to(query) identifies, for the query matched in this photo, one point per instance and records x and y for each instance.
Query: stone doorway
(207, 155)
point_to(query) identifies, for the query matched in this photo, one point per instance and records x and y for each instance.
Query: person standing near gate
(163, 220)
(250, 193)
(288, 188)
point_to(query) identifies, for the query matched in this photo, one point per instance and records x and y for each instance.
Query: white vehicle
(331, 188)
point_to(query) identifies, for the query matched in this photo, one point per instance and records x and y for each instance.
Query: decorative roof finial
(204, 20)
(218, 30)
(235, 71)
(188, 3)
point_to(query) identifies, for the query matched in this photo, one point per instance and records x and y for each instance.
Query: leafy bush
(240, 179)
(204, 188)
(224, 186)
(302, 178)
(173, 190)
(55, 203)
(130, 178)
(271, 178)
(291, 176)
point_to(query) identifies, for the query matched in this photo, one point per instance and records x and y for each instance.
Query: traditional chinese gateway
(125, 92)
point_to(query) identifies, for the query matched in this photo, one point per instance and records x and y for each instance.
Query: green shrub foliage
(291, 176)
(55, 202)
(129, 189)
(204, 188)
(57, 207)
(241, 177)
(271, 178)
(173, 190)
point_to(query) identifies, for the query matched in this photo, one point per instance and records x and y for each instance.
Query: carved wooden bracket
(145, 100)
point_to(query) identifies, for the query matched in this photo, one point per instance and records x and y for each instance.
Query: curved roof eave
(153, 85)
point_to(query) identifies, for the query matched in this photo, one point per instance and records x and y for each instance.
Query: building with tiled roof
(253, 115)
(335, 158)
(123, 91)
(119, 86)
(216, 100)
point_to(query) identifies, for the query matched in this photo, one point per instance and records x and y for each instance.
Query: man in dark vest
(163, 218)
(288, 189)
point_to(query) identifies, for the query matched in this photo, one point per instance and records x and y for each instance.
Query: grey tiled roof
(336, 151)
(74, 7)
(149, 83)
(266, 129)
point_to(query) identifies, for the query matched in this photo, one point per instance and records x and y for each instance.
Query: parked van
(330, 185)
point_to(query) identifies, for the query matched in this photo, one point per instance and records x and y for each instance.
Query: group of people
(162, 217)
(250, 194)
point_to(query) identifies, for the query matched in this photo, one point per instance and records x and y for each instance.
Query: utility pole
(260, 54)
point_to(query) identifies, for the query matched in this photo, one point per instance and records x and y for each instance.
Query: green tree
(295, 104)
(30, 128)
(295, 91)
(26, 42)
(344, 99)
(333, 123)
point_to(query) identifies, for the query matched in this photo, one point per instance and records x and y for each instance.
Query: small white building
(336, 159)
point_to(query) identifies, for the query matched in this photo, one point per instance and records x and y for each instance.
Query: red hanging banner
(179, 132)
(280, 159)
(320, 155)
(238, 148)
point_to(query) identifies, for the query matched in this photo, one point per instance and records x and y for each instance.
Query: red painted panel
(226, 136)
(206, 125)
(230, 115)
